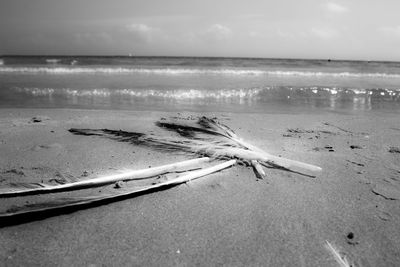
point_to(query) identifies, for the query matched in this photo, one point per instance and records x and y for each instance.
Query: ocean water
(198, 84)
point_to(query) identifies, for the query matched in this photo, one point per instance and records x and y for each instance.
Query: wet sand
(230, 218)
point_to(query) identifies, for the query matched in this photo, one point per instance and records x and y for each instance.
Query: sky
(335, 29)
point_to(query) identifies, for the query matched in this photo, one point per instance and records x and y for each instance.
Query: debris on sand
(340, 259)
(310, 134)
(387, 191)
(384, 216)
(54, 146)
(351, 239)
(394, 149)
(325, 148)
(118, 185)
(15, 171)
(356, 163)
(37, 119)
(205, 138)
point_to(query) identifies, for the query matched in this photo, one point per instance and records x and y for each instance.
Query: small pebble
(350, 235)
(118, 185)
(350, 239)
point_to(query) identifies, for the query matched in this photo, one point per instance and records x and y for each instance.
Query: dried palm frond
(206, 137)
(40, 188)
(258, 170)
(30, 212)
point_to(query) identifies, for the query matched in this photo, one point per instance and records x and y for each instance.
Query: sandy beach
(230, 218)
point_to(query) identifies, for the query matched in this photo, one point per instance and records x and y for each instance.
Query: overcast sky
(337, 29)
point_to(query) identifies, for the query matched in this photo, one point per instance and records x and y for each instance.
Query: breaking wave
(144, 93)
(189, 71)
(265, 93)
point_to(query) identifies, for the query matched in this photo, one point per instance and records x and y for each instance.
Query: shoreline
(228, 218)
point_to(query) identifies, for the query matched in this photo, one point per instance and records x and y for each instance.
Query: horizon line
(209, 57)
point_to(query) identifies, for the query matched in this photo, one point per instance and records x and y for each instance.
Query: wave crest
(190, 71)
(144, 93)
(264, 93)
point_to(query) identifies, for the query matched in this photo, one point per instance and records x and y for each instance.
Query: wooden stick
(126, 176)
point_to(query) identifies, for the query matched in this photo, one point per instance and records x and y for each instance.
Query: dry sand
(229, 218)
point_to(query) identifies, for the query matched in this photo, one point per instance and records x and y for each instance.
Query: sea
(199, 84)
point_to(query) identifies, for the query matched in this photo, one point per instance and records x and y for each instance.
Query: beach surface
(229, 218)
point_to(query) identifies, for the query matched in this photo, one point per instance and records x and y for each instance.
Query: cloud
(142, 28)
(218, 32)
(336, 8)
(391, 30)
(90, 37)
(141, 32)
(324, 33)
(291, 34)
(255, 34)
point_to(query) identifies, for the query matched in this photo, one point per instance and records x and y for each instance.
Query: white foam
(120, 70)
(53, 61)
(168, 94)
(190, 71)
(221, 94)
(334, 74)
